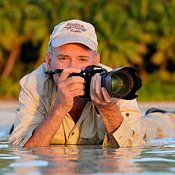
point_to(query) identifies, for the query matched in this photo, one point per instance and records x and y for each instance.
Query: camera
(120, 83)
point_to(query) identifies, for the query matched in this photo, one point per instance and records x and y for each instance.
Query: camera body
(87, 74)
(120, 83)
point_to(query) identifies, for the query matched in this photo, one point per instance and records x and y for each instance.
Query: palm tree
(12, 32)
(119, 44)
(165, 39)
(156, 19)
(47, 15)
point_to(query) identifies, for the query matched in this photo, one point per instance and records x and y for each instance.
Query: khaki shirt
(38, 95)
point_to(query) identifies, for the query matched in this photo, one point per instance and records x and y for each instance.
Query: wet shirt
(37, 97)
(158, 125)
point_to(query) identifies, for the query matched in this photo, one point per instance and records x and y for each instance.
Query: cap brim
(59, 41)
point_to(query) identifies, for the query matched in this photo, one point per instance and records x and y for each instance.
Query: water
(158, 157)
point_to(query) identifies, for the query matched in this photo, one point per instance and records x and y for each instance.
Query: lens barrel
(121, 82)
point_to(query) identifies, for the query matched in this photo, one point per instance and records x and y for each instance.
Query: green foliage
(156, 89)
(9, 88)
(138, 33)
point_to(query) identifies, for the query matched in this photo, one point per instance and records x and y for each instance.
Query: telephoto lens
(121, 82)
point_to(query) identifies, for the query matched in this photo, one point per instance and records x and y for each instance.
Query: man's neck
(79, 104)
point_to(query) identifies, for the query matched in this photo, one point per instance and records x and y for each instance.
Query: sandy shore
(7, 112)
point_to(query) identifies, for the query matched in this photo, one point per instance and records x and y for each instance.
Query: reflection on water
(156, 158)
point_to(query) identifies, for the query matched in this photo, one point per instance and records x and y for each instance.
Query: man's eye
(62, 58)
(83, 59)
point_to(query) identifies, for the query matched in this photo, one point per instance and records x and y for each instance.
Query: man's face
(72, 56)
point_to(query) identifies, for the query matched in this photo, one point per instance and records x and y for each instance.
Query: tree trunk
(11, 62)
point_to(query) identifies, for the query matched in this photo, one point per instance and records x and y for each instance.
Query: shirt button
(72, 133)
(127, 114)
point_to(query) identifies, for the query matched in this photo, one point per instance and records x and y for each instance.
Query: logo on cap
(75, 27)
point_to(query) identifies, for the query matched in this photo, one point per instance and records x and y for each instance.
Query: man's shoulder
(34, 78)
(105, 67)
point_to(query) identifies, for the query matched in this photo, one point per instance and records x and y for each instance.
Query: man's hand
(68, 88)
(106, 105)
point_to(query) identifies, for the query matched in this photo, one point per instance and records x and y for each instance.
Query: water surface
(158, 157)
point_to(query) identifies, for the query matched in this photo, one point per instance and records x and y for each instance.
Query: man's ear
(48, 60)
(96, 59)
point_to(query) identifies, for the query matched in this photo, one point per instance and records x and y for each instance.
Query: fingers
(99, 94)
(106, 96)
(74, 80)
(70, 87)
(75, 86)
(95, 87)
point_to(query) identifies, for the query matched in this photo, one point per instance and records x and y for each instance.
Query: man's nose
(73, 64)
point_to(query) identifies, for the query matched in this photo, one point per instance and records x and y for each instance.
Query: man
(50, 109)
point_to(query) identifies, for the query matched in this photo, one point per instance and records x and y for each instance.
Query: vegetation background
(138, 33)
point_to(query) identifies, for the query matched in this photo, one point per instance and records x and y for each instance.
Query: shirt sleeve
(129, 132)
(29, 114)
(159, 125)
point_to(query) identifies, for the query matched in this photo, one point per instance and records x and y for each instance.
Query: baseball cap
(74, 31)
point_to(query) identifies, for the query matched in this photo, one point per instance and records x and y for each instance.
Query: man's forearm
(44, 133)
(112, 120)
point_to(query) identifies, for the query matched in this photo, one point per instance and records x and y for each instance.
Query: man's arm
(112, 120)
(120, 132)
(44, 133)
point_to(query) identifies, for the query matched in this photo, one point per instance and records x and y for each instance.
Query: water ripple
(153, 159)
(37, 163)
